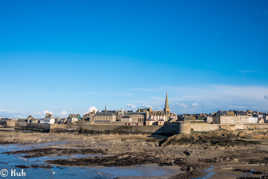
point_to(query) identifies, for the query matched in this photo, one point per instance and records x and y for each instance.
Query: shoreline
(235, 154)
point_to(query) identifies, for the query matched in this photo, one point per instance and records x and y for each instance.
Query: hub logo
(13, 173)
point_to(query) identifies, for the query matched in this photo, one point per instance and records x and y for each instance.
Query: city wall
(187, 128)
(115, 129)
(245, 127)
(168, 129)
(238, 120)
(32, 127)
(64, 128)
(10, 123)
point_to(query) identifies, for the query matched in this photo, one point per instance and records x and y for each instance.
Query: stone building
(133, 118)
(89, 116)
(11, 123)
(126, 119)
(72, 118)
(159, 117)
(30, 119)
(266, 118)
(49, 119)
(238, 120)
(105, 117)
(210, 119)
(234, 117)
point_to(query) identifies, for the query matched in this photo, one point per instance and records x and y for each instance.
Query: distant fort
(144, 116)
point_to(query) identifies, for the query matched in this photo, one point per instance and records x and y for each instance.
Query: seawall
(167, 129)
(187, 128)
(32, 127)
(86, 128)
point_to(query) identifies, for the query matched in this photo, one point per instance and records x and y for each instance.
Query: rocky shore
(221, 154)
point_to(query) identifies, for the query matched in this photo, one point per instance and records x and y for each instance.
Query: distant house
(173, 117)
(180, 118)
(31, 120)
(47, 121)
(266, 119)
(126, 119)
(137, 117)
(133, 118)
(61, 121)
(89, 116)
(210, 119)
(72, 118)
(189, 117)
(235, 119)
(108, 116)
(3, 123)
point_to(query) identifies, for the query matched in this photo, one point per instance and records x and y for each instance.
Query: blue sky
(65, 56)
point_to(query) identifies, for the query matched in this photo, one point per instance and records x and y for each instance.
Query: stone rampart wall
(167, 129)
(187, 128)
(238, 120)
(33, 127)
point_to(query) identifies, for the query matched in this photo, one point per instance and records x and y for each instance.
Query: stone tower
(166, 109)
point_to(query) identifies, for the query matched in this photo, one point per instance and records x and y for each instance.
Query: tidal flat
(218, 154)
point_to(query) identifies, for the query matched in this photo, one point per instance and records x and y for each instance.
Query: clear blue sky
(65, 56)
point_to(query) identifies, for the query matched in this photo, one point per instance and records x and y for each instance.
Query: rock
(236, 160)
(187, 153)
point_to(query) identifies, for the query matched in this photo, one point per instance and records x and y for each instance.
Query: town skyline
(131, 107)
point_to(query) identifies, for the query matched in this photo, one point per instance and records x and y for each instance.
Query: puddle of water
(10, 161)
(136, 171)
(14, 147)
(209, 173)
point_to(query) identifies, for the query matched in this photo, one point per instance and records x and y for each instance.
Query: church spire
(166, 109)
